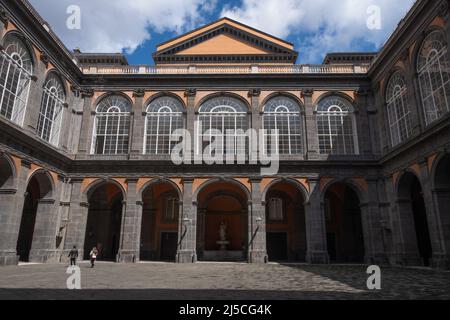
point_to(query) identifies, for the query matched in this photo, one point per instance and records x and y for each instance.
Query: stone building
(363, 146)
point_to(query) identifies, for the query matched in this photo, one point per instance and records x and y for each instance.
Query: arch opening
(442, 195)
(103, 228)
(413, 219)
(285, 223)
(222, 223)
(39, 189)
(345, 239)
(159, 226)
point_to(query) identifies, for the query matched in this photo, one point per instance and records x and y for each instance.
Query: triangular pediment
(225, 41)
(222, 44)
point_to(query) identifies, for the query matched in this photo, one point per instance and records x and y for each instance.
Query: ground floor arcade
(403, 219)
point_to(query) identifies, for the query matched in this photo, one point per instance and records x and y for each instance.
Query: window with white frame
(112, 126)
(433, 67)
(164, 116)
(16, 70)
(398, 110)
(282, 120)
(50, 115)
(226, 119)
(275, 207)
(336, 126)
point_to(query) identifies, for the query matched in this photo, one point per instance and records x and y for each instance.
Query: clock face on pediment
(225, 41)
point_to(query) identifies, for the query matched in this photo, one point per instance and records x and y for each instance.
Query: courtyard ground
(224, 281)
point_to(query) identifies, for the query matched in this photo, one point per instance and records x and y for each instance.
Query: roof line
(224, 19)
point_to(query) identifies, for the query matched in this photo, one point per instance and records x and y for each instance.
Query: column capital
(138, 93)
(308, 92)
(254, 93)
(190, 92)
(26, 163)
(87, 93)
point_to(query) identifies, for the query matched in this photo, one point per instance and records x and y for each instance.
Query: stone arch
(282, 94)
(223, 94)
(90, 189)
(109, 94)
(163, 94)
(223, 180)
(8, 174)
(29, 46)
(340, 94)
(291, 181)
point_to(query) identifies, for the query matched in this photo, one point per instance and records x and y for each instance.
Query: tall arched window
(164, 116)
(282, 114)
(398, 109)
(50, 115)
(224, 118)
(336, 126)
(112, 126)
(16, 69)
(433, 67)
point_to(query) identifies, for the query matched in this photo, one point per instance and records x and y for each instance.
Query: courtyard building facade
(362, 141)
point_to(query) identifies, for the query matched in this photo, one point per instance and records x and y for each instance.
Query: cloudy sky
(135, 27)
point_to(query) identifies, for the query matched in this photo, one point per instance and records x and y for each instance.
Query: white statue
(223, 231)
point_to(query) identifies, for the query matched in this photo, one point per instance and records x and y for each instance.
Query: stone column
(316, 237)
(255, 123)
(312, 139)
(372, 229)
(257, 252)
(11, 216)
(138, 130)
(440, 257)
(201, 216)
(4, 21)
(187, 226)
(78, 215)
(84, 146)
(130, 235)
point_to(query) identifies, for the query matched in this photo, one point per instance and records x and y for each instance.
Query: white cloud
(114, 25)
(321, 26)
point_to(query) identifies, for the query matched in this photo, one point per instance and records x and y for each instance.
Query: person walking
(93, 255)
(73, 255)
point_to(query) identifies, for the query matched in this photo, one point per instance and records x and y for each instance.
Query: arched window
(50, 115)
(282, 114)
(336, 126)
(164, 116)
(434, 76)
(112, 126)
(398, 109)
(224, 118)
(16, 69)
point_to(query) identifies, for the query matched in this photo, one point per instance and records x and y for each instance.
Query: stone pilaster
(257, 252)
(316, 237)
(138, 129)
(11, 205)
(33, 107)
(312, 151)
(190, 94)
(256, 120)
(371, 221)
(84, 146)
(77, 220)
(187, 230)
(362, 122)
(130, 235)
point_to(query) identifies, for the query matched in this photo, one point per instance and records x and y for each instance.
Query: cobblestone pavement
(226, 281)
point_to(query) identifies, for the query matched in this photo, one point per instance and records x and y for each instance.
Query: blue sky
(315, 27)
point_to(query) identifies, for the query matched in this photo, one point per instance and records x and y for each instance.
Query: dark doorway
(421, 223)
(345, 238)
(28, 221)
(277, 244)
(169, 246)
(104, 222)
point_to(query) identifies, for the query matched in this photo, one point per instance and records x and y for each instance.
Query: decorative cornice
(362, 92)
